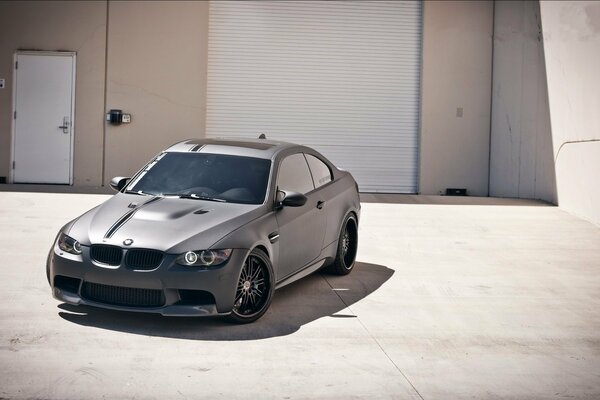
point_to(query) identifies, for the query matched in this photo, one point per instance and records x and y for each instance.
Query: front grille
(123, 296)
(143, 259)
(110, 255)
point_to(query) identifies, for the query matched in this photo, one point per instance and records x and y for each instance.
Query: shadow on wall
(316, 296)
(521, 141)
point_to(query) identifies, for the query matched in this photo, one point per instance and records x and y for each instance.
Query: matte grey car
(210, 227)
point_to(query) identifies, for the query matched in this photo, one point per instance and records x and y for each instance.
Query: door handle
(65, 125)
(320, 204)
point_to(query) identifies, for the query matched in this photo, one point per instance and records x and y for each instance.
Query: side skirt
(301, 274)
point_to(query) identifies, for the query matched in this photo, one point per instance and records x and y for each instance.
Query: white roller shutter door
(342, 77)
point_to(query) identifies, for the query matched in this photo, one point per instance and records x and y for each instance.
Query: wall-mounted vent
(456, 192)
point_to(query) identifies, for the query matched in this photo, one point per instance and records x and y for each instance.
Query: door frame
(13, 128)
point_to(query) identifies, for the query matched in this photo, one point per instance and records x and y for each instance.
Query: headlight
(68, 244)
(204, 258)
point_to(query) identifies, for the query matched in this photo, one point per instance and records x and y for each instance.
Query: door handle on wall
(65, 125)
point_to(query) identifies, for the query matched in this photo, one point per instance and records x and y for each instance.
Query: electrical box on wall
(117, 117)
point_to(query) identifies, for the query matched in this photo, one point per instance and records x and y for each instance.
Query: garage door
(342, 77)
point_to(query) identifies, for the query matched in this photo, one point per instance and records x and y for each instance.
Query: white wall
(572, 51)
(521, 156)
(457, 74)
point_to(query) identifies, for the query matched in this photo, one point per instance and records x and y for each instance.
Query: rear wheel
(254, 290)
(347, 246)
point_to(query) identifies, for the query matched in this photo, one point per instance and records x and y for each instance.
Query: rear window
(321, 174)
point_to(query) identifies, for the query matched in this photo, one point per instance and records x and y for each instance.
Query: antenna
(262, 136)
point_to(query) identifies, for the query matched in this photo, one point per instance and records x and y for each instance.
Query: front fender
(254, 234)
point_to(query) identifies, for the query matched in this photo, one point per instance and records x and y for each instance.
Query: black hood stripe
(127, 216)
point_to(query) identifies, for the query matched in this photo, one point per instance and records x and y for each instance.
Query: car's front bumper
(68, 274)
(167, 311)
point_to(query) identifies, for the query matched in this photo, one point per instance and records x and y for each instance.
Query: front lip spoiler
(205, 310)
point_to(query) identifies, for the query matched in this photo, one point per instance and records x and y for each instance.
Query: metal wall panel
(342, 77)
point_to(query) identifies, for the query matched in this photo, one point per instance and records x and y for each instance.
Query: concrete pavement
(482, 300)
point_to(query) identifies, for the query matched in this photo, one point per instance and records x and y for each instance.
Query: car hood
(168, 224)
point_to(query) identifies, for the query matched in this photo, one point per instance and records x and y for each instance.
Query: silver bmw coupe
(210, 227)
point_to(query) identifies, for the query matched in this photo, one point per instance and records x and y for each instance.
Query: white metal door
(43, 117)
(340, 76)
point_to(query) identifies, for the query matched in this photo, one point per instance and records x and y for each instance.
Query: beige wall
(43, 26)
(571, 32)
(521, 155)
(156, 60)
(457, 56)
(157, 63)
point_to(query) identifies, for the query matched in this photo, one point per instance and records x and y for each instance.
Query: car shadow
(316, 296)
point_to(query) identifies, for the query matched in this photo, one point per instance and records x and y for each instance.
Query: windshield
(204, 176)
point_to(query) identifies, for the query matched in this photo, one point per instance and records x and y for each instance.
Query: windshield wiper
(140, 192)
(195, 197)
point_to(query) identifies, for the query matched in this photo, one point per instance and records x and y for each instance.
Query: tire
(347, 247)
(255, 288)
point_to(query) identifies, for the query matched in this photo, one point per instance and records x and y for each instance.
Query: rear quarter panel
(341, 198)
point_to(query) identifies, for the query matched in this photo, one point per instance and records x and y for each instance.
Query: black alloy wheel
(347, 247)
(254, 290)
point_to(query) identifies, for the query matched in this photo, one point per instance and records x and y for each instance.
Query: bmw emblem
(127, 242)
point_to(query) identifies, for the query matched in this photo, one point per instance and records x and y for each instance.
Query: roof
(260, 148)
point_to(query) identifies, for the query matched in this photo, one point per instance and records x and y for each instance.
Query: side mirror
(289, 199)
(119, 182)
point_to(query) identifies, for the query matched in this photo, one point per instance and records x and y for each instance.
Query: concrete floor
(448, 301)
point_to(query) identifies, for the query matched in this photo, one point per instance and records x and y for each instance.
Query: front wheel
(254, 289)
(347, 246)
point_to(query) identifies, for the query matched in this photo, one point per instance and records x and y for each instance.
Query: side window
(320, 171)
(294, 174)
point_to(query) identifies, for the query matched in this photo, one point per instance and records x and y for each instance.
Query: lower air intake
(123, 296)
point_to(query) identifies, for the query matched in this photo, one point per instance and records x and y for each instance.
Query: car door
(301, 229)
